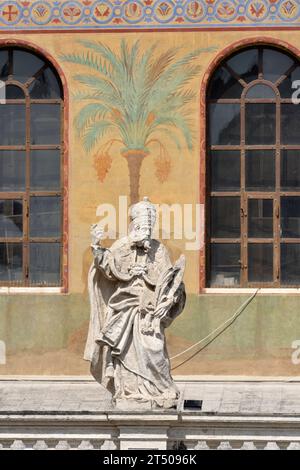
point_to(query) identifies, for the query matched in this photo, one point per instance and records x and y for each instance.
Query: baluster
(248, 445)
(294, 446)
(271, 445)
(40, 445)
(109, 445)
(18, 445)
(201, 445)
(84, 445)
(63, 445)
(225, 445)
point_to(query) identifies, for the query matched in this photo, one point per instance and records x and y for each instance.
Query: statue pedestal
(132, 405)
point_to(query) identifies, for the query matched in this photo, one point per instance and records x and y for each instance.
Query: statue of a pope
(135, 293)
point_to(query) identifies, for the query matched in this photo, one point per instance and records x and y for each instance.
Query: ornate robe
(126, 342)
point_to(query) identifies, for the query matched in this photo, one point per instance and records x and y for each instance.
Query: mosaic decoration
(149, 14)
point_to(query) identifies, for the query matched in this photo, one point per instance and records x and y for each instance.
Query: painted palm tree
(138, 98)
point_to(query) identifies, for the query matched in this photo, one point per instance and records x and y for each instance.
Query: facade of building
(191, 103)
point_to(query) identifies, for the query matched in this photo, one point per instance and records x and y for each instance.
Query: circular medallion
(226, 10)
(133, 11)
(195, 10)
(164, 11)
(10, 13)
(71, 12)
(41, 13)
(103, 12)
(257, 10)
(288, 10)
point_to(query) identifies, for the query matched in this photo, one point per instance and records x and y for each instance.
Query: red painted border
(229, 50)
(41, 51)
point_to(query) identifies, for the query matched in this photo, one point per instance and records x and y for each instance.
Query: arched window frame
(204, 195)
(64, 148)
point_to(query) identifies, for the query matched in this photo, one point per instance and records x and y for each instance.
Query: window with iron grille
(30, 170)
(253, 161)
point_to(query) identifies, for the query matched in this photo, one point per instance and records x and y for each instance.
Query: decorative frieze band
(149, 14)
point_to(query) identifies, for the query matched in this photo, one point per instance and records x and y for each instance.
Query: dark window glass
(45, 85)
(25, 171)
(290, 263)
(290, 118)
(290, 217)
(225, 264)
(11, 218)
(224, 85)
(290, 170)
(254, 157)
(12, 124)
(13, 92)
(245, 64)
(224, 125)
(45, 216)
(4, 65)
(45, 124)
(260, 262)
(225, 217)
(11, 261)
(260, 170)
(260, 123)
(260, 218)
(26, 65)
(44, 266)
(260, 91)
(285, 87)
(275, 64)
(225, 170)
(12, 170)
(45, 169)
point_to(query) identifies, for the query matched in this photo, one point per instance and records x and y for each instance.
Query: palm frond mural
(140, 98)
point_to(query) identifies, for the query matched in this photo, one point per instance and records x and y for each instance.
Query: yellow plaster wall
(86, 192)
(51, 339)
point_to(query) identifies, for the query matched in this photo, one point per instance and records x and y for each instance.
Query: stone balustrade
(76, 414)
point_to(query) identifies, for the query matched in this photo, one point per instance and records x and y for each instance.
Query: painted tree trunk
(134, 160)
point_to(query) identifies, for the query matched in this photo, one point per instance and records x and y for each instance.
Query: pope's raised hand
(96, 232)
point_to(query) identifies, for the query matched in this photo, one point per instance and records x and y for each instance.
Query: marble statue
(135, 293)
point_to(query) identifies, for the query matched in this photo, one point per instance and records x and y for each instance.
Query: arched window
(31, 110)
(253, 159)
